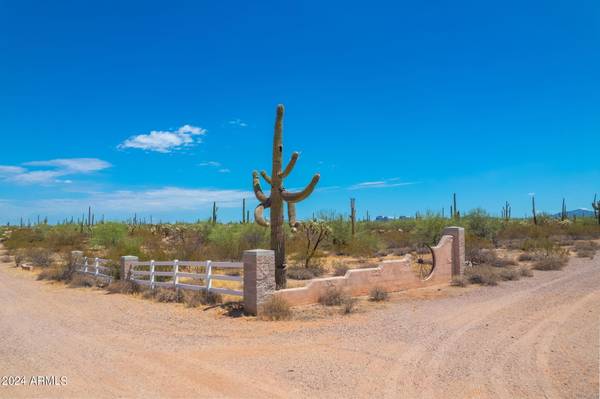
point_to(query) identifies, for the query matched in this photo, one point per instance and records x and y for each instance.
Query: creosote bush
(483, 274)
(275, 309)
(332, 297)
(510, 274)
(378, 294)
(550, 261)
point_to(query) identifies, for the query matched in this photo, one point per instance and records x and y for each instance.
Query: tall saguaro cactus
(278, 196)
(596, 206)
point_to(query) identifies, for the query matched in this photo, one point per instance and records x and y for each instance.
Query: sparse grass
(300, 273)
(378, 294)
(510, 274)
(193, 299)
(526, 257)
(123, 287)
(586, 249)
(550, 261)
(348, 305)
(525, 271)
(58, 272)
(168, 295)
(275, 309)
(483, 274)
(81, 280)
(332, 297)
(39, 257)
(340, 269)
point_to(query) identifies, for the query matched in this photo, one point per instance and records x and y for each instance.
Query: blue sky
(161, 108)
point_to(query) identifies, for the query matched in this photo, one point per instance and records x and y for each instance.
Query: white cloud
(224, 170)
(165, 141)
(380, 184)
(210, 163)
(163, 200)
(52, 170)
(238, 123)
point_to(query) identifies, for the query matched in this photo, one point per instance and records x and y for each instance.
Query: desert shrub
(479, 223)
(510, 274)
(586, 249)
(194, 299)
(123, 287)
(6, 259)
(168, 295)
(428, 229)
(147, 293)
(348, 305)
(300, 273)
(81, 280)
(525, 272)
(363, 244)
(502, 262)
(378, 294)
(550, 261)
(332, 297)
(275, 308)
(526, 257)
(459, 281)
(109, 234)
(484, 275)
(40, 257)
(19, 258)
(340, 269)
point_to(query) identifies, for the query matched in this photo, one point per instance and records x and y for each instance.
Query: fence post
(259, 278)
(127, 265)
(85, 264)
(152, 267)
(76, 259)
(208, 276)
(175, 273)
(96, 264)
(458, 248)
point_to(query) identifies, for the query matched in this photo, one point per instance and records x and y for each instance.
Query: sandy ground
(534, 338)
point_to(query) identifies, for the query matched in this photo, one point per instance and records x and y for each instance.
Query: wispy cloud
(224, 170)
(237, 123)
(387, 183)
(124, 202)
(214, 164)
(165, 141)
(51, 171)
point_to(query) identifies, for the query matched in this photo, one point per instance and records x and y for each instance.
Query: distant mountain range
(577, 212)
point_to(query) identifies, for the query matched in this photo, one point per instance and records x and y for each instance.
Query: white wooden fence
(95, 267)
(146, 273)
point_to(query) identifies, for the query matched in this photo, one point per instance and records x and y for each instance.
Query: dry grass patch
(123, 287)
(348, 305)
(482, 274)
(550, 261)
(81, 280)
(275, 309)
(586, 249)
(332, 297)
(525, 272)
(378, 294)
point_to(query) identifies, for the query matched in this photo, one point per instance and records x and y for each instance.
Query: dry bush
(483, 274)
(6, 259)
(81, 280)
(550, 261)
(300, 273)
(586, 249)
(378, 294)
(525, 271)
(459, 281)
(193, 299)
(168, 295)
(526, 257)
(332, 297)
(340, 269)
(275, 309)
(59, 272)
(123, 287)
(40, 257)
(348, 305)
(510, 274)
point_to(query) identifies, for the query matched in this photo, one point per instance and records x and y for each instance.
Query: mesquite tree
(278, 195)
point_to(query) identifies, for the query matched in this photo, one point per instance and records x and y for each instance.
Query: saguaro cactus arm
(266, 177)
(257, 188)
(301, 195)
(292, 216)
(290, 166)
(259, 215)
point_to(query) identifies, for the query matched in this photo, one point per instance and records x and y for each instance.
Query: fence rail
(148, 276)
(95, 267)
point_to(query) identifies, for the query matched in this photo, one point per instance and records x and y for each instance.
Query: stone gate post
(458, 248)
(259, 278)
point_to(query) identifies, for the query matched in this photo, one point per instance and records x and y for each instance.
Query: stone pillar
(76, 258)
(458, 248)
(126, 265)
(259, 278)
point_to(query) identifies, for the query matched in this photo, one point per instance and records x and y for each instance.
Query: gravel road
(533, 338)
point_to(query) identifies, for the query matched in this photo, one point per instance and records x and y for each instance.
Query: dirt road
(534, 338)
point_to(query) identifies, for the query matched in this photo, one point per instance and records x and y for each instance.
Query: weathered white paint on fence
(148, 277)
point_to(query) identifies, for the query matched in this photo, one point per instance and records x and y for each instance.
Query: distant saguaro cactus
(353, 215)
(533, 209)
(278, 195)
(215, 209)
(596, 206)
(563, 211)
(506, 211)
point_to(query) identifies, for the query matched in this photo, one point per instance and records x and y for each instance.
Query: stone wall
(394, 275)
